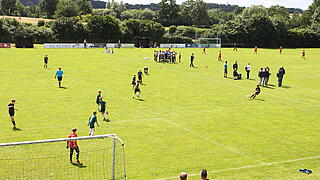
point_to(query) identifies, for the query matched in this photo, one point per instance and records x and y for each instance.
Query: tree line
(76, 20)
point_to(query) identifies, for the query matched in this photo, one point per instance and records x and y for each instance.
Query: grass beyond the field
(188, 119)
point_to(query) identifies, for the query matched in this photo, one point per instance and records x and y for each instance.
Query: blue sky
(302, 4)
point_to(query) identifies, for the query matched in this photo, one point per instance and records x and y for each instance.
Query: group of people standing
(167, 56)
(264, 75)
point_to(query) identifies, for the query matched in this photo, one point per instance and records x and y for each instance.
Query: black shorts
(137, 90)
(140, 78)
(225, 71)
(257, 93)
(60, 78)
(46, 62)
(11, 113)
(102, 109)
(133, 83)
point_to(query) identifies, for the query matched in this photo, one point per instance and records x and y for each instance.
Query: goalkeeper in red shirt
(73, 145)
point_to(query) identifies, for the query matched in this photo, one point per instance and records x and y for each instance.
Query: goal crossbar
(113, 136)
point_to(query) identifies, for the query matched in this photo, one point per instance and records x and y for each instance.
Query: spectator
(183, 176)
(225, 68)
(261, 76)
(204, 174)
(266, 76)
(235, 66)
(248, 68)
(280, 75)
(236, 75)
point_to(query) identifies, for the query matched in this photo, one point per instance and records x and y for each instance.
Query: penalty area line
(250, 166)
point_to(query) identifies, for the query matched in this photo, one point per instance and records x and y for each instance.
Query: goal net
(101, 157)
(209, 42)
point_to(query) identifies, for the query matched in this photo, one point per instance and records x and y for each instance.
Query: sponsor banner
(191, 45)
(127, 45)
(5, 45)
(66, 45)
(172, 45)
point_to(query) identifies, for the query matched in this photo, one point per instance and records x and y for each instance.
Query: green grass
(190, 119)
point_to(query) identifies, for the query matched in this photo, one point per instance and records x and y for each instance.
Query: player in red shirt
(281, 49)
(255, 50)
(73, 145)
(204, 50)
(303, 54)
(219, 56)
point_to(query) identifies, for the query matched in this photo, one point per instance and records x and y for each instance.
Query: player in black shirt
(136, 90)
(255, 92)
(11, 110)
(45, 59)
(191, 60)
(134, 81)
(102, 108)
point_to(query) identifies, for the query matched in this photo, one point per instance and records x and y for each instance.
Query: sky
(302, 4)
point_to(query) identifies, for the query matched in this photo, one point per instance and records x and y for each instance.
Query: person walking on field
(280, 75)
(191, 60)
(58, 75)
(248, 68)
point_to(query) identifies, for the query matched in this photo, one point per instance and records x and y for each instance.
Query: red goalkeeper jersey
(73, 144)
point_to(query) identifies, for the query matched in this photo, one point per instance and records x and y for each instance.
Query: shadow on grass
(62, 87)
(139, 99)
(259, 99)
(251, 79)
(79, 165)
(268, 87)
(16, 129)
(272, 85)
(229, 77)
(107, 120)
(287, 87)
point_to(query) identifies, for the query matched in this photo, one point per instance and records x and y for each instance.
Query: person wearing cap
(58, 75)
(72, 144)
(203, 174)
(11, 110)
(183, 176)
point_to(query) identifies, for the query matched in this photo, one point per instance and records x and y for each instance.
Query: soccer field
(187, 119)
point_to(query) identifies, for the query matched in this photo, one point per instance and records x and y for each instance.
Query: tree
(68, 29)
(20, 9)
(168, 11)
(185, 12)
(66, 8)
(84, 6)
(254, 10)
(200, 13)
(48, 7)
(104, 28)
(7, 6)
(278, 11)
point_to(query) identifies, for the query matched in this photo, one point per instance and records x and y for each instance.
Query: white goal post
(36, 159)
(209, 42)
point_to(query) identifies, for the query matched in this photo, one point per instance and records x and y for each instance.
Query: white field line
(223, 82)
(250, 166)
(212, 141)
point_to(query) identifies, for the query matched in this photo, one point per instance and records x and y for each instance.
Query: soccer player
(58, 75)
(146, 70)
(11, 110)
(102, 108)
(281, 49)
(204, 51)
(203, 174)
(45, 59)
(303, 53)
(133, 82)
(91, 122)
(219, 56)
(235, 47)
(191, 60)
(140, 76)
(235, 66)
(72, 144)
(183, 176)
(255, 51)
(136, 91)
(255, 92)
(179, 57)
(98, 97)
(225, 68)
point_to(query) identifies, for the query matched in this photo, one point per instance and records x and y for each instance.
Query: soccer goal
(101, 157)
(209, 42)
